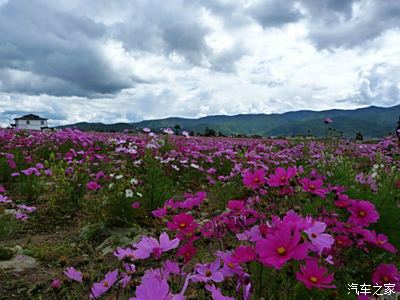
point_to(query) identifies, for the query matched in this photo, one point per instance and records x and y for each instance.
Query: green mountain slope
(370, 121)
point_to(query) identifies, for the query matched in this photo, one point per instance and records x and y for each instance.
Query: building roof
(30, 117)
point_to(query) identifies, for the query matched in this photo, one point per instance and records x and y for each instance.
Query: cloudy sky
(123, 60)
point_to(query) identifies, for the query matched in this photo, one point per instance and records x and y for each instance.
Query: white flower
(134, 181)
(119, 176)
(168, 131)
(128, 193)
(139, 194)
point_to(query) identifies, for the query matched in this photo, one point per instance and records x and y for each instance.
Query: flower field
(159, 216)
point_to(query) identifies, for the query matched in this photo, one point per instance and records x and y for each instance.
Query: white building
(30, 122)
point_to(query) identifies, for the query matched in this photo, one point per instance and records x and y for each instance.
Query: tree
(177, 129)
(209, 132)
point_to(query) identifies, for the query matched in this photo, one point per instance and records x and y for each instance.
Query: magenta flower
(278, 248)
(328, 120)
(99, 288)
(135, 205)
(187, 251)
(319, 240)
(386, 273)
(314, 276)
(379, 240)
(93, 186)
(55, 284)
(314, 187)
(183, 223)
(282, 176)
(244, 254)
(73, 274)
(363, 213)
(254, 180)
(210, 271)
(150, 246)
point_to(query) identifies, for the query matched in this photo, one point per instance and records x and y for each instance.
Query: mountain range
(372, 122)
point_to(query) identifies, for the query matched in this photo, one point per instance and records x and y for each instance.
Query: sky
(125, 61)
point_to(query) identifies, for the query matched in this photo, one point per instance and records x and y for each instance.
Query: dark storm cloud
(60, 50)
(174, 27)
(275, 13)
(334, 24)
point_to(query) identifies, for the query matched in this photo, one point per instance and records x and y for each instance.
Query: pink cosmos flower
(184, 223)
(230, 267)
(342, 200)
(73, 274)
(319, 240)
(236, 205)
(155, 289)
(4, 199)
(2, 189)
(252, 235)
(343, 241)
(216, 293)
(93, 186)
(21, 216)
(281, 176)
(26, 208)
(386, 273)
(363, 213)
(99, 288)
(31, 171)
(55, 284)
(210, 271)
(314, 276)
(187, 251)
(135, 205)
(244, 254)
(150, 246)
(278, 248)
(379, 240)
(254, 180)
(314, 187)
(121, 253)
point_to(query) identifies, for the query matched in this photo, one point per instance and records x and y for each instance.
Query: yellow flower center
(281, 250)
(231, 264)
(312, 187)
(361, 213)
(314, 235)
(313, 279)
(182, 225)
(385, 279)
(208, 273)
(106, 284)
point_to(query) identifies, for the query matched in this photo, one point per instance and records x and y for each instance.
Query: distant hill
(371, 121)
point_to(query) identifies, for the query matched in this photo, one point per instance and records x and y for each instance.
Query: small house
(30, 121)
